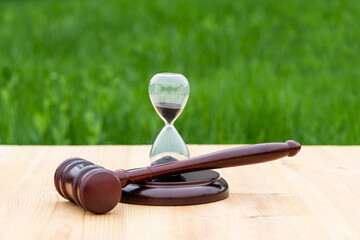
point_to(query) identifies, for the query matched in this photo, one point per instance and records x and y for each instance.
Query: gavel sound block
(99, 190)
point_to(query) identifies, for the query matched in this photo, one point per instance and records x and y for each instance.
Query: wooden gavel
(99, 190)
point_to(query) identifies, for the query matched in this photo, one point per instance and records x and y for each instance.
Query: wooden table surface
(314, 195)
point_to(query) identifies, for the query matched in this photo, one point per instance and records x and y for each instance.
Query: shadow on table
(67, 207)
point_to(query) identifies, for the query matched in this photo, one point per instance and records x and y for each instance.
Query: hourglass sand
(169, 93)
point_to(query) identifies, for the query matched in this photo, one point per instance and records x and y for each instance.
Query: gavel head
(89, 186)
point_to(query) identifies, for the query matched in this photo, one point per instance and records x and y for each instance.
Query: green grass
(77, 72)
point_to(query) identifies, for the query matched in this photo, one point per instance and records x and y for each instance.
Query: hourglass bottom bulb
(168, 146)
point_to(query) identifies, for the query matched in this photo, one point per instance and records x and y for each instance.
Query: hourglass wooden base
(184, 189)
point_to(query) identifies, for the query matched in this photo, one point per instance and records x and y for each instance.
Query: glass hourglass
(168, 93)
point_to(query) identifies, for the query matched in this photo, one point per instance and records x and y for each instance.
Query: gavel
(99, 190)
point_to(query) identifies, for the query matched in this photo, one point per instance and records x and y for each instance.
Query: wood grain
(314, 195)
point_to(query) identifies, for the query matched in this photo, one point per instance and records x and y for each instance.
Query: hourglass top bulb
(169, 93)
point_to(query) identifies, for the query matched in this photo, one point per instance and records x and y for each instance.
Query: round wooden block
(184, 189)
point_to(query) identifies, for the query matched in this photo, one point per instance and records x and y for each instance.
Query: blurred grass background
(77, 72)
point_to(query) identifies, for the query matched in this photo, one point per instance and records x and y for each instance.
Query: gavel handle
(239, 156)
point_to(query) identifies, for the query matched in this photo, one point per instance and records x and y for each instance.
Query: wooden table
(315, 195)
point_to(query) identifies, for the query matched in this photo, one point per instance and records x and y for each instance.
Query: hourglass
(168, 93)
